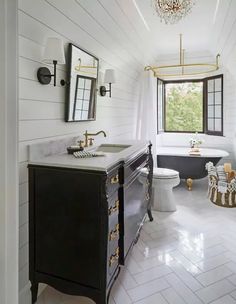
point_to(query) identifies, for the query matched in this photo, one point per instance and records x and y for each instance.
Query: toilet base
(163, 197)
(163, 200)
(163, 182)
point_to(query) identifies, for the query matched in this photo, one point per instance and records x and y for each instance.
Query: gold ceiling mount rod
(182, 69)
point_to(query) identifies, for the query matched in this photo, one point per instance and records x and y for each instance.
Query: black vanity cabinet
(83, 223)
(136, 196)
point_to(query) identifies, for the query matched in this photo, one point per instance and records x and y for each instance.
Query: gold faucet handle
(91, 141)
(81, 143)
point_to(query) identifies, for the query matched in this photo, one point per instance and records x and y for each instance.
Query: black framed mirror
(82, 85)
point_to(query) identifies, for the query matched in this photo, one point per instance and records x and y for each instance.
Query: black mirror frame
(67, 82)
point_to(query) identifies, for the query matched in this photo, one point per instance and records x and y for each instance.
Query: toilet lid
(164, 173)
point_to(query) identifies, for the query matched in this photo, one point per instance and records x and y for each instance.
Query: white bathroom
(118, 152)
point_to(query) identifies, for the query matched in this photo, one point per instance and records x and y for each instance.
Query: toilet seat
(163, 173)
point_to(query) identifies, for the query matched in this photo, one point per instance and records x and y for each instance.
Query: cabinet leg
(34, 291)
(137, 238)
(109, 292)
(149, 212)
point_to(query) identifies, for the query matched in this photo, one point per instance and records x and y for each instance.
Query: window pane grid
(82, 98)
(214, 109)
(160, 107)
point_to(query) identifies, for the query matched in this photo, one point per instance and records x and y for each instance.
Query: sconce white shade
(54, 51)
(109, 76)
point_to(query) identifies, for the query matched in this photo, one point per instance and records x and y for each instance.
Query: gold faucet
(89, 141)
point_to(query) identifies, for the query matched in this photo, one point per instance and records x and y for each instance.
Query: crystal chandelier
(172, 11)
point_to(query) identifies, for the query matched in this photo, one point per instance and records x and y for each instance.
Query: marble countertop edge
(101, 163)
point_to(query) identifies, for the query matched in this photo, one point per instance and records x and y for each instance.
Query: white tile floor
(184, 257)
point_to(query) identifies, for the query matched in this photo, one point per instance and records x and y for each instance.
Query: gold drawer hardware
(147, 196)
(115, 179)
(114, 233)
(114, 208)
(114, 257)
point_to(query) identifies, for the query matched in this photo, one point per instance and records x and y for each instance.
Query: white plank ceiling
(210, 27)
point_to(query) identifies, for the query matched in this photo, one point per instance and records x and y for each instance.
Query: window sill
(189, 134)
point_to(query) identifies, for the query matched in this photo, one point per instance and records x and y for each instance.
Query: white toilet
(164, 180)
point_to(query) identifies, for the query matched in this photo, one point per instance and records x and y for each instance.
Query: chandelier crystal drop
(172, 11)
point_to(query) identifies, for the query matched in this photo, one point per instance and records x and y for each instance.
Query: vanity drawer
(113, 210)
(113, 181)
(135, 165)
(113, 205)
(114, 233)
(113, 260)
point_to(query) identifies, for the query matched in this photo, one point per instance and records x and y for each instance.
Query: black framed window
(160, 105)
(214, 109)
(187, 106)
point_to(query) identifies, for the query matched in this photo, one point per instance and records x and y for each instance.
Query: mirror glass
(82, 88)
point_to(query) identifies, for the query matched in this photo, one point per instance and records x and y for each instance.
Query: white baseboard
(25, 293)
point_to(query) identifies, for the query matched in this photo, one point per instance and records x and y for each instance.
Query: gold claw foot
(189, 183)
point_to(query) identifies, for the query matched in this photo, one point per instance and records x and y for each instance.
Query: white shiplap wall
(102, 28)
(230, 63)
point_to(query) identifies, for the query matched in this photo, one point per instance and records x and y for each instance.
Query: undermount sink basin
(110, 148)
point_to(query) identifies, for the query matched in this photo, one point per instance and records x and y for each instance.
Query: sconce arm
(44, 75)
(103, 90)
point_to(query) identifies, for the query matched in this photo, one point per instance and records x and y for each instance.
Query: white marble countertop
(101, 163)
(184, 151)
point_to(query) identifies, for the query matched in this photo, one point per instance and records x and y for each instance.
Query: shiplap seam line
(85, 31)
(69, 40)
(223, 26)
(104, 28)
(59, 67)
(128, 19)
(136, 45)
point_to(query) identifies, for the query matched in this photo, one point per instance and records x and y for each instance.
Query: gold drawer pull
(115, 179)
(114, 257)
(114, 233)
(147, 196)
(114, 208)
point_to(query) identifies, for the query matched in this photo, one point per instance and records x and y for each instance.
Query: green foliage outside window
(184, 107)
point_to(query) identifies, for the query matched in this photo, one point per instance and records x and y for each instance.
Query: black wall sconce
(108, 78)
(53, 54)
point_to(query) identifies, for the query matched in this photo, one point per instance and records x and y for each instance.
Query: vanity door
(65, 225)
(135, 207)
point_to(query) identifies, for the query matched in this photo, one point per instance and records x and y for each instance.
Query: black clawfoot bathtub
(188, 166)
